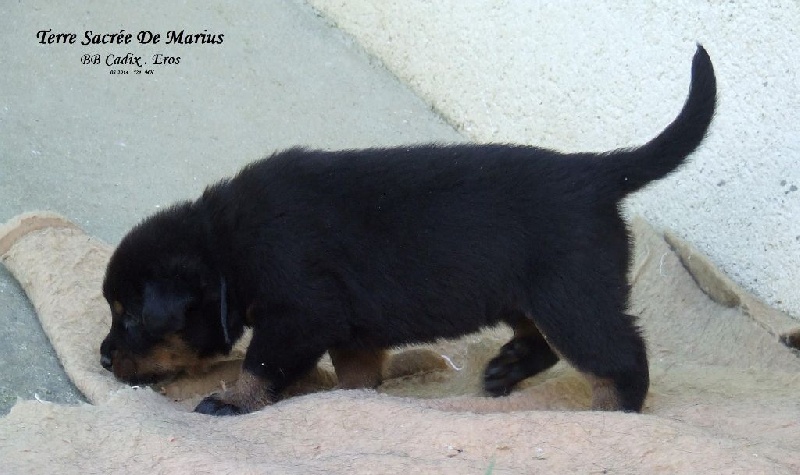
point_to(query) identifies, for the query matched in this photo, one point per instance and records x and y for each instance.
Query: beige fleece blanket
(725, 394)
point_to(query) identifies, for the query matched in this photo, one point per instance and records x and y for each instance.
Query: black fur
(371, 249)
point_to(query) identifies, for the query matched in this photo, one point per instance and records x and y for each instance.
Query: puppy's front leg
(281, 351)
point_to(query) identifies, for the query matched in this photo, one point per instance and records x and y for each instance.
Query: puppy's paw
(213, 406)
(518, 359)
(249, 394)
(505, 370)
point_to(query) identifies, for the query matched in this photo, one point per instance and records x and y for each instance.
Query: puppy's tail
(632, 169)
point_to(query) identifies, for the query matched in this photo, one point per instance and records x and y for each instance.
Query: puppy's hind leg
(526, 355)
(586, 327)
(620, 378)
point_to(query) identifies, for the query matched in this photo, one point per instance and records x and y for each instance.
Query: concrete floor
(107, 150)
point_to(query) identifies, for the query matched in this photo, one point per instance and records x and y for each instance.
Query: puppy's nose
(106, 351)
(105, 360)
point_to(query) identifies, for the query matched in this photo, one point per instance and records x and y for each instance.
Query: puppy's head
(165, 299)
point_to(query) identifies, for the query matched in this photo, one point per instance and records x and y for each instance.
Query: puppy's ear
(164, 308)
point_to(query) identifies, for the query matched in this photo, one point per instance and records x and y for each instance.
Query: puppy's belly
(419, 328)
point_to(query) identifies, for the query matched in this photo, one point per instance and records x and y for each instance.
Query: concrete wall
(588, 75)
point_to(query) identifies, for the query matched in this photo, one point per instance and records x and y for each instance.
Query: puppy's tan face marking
(117, 309)
(167, 358)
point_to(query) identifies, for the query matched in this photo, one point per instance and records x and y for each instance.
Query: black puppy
(357, 251)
